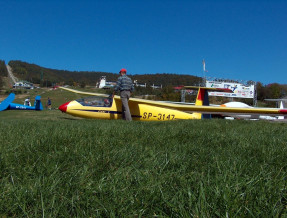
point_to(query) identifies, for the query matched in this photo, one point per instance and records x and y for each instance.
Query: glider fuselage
(143, 112)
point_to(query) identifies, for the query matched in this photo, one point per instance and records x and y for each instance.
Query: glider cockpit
(96, 101)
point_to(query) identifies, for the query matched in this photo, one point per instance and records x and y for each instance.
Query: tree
(83, 84)
(261, 91)
(275, 90)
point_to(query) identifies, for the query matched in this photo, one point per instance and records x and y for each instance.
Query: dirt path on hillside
(10, 74)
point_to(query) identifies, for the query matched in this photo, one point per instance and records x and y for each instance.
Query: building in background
(103, 84)
(23, 85)
(240, 90)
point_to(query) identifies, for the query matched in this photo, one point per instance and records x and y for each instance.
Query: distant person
(49, 104)
(126, 87)
(27, 102)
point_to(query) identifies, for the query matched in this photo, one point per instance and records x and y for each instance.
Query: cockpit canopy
(96, 101)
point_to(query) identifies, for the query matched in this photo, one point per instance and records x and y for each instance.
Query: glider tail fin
(202, 100)
(281, 107)
(38, 104)
(281, 103)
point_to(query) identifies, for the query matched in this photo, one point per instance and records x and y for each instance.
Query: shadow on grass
(69, 118)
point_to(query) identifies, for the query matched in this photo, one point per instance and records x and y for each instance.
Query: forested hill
(46, 77)
(3, 72)
(34, 73)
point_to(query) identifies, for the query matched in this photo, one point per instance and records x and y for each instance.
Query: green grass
(54, 165)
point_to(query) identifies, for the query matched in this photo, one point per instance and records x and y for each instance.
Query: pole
(203, 73)
(255, 95)
(183, 91)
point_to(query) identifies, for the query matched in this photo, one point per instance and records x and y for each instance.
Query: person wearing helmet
(27, 102)
(126, 87)
(107, 102)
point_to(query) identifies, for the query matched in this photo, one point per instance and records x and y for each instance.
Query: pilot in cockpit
(107, 102)
(87, 103)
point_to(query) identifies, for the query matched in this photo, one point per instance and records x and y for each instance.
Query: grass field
(55, 165)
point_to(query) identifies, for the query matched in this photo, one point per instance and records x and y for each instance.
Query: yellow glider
(102, 106)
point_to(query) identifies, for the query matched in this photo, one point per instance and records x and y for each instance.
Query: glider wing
(211, 109)
(6, 102)
(84, 93)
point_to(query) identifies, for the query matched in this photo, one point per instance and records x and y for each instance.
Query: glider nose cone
(63, 107)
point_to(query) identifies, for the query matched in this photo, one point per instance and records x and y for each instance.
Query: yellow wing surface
(211, 109)
(191, 108)
(84, 93)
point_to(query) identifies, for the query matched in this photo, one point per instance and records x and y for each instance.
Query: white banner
(239, 90)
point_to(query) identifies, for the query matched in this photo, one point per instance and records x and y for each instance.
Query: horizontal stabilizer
(209, 89)
(277, 100)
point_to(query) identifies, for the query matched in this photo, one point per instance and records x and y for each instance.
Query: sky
(239, 40)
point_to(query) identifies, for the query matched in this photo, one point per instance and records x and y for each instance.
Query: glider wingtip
(283, 111)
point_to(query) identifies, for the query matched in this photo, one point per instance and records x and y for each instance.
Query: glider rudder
(202, 100)
(38, 104)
